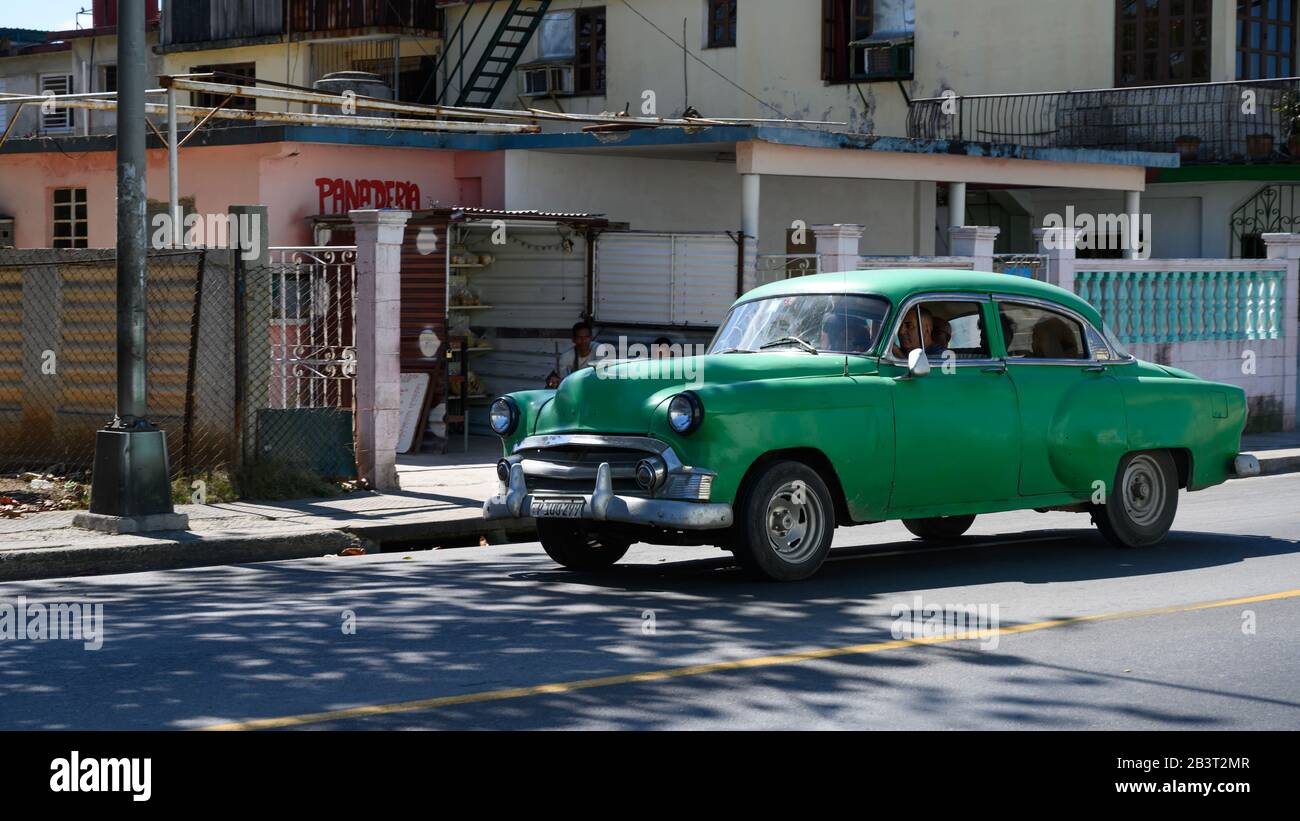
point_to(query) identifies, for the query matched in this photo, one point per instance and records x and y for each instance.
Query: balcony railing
(221, 20)
(333, 15)
(1203, 122)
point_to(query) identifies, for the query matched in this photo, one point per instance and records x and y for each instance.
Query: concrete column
(749, 214)
(1133, 211)
(838, 246)
(1286, 248)
(956, 204)
(379, 315)
(1058, 245)
(974, 241)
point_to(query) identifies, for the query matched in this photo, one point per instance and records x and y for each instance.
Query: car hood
(623, 397)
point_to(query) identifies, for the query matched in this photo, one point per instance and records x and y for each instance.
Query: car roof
(898, 284)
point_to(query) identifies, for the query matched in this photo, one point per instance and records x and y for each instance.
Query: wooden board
(414, 404)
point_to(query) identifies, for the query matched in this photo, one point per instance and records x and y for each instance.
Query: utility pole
(130, 489)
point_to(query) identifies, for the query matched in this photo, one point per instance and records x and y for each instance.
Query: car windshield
(816, 323)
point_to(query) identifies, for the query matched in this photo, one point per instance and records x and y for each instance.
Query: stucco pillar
(379, 310)
(1058, 245)
(749, 211)
(1286, 248)
(1133, 213)
(974, 241)
(837, 245)
(956, 204)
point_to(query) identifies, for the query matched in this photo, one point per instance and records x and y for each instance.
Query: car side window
(955, 326)
(1031, 332)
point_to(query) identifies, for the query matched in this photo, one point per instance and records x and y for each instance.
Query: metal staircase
(502, 53)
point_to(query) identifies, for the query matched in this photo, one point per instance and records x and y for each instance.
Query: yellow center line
(720, 666)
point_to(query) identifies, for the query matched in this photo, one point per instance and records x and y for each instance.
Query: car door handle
(1095, 369)
(994, 369)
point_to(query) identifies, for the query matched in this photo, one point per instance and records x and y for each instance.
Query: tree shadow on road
(206, 645)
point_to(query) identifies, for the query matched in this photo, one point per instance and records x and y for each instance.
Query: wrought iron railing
(331, 15)
(1033, 266)
(1203, 122)
(772, 267)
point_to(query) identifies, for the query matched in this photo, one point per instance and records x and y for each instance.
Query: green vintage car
(929, 396)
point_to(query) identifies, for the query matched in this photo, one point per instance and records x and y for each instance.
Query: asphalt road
(498, 637)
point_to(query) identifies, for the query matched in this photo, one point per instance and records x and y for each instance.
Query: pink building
(284, 168)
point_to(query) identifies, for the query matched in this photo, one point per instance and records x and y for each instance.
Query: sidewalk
(1277, 452)
(440, 502)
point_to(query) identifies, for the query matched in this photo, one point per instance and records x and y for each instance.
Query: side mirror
(918, 364)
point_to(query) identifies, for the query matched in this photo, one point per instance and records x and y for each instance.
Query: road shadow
(205, 645)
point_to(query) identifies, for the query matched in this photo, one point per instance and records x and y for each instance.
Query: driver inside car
(908, 338)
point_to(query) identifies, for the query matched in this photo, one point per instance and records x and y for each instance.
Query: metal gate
(311, 361)
(655, 278)
(313, 344)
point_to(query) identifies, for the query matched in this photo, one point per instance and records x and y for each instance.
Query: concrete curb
(1271, 466)
(171, 551)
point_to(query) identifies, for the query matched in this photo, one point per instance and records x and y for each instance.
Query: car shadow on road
(191, 647)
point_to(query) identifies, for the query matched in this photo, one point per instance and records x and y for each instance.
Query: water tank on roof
(361, 83)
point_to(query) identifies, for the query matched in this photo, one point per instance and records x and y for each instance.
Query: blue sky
(51, 15)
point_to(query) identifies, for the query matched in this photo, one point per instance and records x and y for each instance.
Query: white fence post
(1057, 244)
(1286, 247)
(378, 329)
(837, 246)
(974, 241)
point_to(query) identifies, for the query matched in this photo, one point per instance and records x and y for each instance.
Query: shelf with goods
(464, 307)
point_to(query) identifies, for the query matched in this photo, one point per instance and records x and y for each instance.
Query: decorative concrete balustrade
(1187, 305)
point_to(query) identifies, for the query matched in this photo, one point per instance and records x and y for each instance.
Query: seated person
(843, 333)
(1054, 339)
(909, 336)
(1009, 335)
(942, 338)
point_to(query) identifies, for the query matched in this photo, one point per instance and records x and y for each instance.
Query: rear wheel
(785, 519)
(1142, 502)
(575, 546)
(939, 528)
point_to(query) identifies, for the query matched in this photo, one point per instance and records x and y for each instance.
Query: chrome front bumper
(514, 499)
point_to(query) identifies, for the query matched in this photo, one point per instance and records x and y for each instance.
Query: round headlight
(685, 412)
(503, 416)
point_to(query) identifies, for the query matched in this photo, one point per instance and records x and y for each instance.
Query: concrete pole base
(131, 524)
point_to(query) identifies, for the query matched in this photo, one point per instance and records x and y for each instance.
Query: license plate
(557, 508)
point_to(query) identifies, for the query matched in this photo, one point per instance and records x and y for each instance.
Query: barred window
(1265, 39)
(722, 23)
(70, 218)
(1162, 42)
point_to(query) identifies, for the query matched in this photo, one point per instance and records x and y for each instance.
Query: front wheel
(784, 522)
(939, 528)
(574, 546)
(1142, 502)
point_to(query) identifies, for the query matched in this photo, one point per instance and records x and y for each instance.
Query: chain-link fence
(58, 322)
(251, 365)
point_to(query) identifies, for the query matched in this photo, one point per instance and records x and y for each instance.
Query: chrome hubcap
(1143, 487)
(795, 522)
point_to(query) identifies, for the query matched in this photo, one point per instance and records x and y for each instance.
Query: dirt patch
(37, 493)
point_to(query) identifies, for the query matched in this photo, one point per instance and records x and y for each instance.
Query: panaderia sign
(339, 196)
